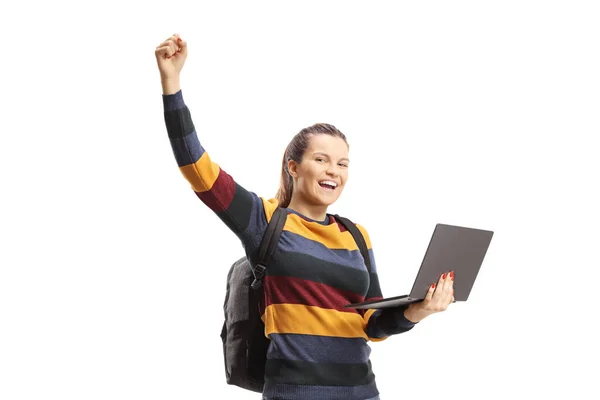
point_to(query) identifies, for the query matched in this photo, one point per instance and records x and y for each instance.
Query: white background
(475, 113)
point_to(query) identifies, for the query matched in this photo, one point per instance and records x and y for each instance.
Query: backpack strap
(358, 238)
(268, 245)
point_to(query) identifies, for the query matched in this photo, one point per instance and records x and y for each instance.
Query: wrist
(170, 85)
(413, 314)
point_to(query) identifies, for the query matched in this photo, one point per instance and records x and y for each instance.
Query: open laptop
(451, 248)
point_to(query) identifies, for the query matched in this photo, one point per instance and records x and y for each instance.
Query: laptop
(451, 248)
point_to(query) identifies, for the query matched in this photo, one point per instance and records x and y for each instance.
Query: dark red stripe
(341, 227)
(288, 290)
(219, 197)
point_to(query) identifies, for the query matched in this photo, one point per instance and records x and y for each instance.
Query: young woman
(318, 349)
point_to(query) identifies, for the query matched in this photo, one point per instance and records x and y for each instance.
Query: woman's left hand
(438, 298)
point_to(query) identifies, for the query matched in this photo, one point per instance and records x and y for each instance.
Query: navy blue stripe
(257, 223)
(294, 242)
(173, 101)
(187, 150)
(318, 349)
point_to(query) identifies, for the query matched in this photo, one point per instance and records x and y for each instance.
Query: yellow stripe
(202, 174)
(328, 235)
(366, 235)
(368, 314)
(270, 206)
(310, 320)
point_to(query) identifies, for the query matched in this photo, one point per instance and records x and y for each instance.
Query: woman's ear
(292, 168)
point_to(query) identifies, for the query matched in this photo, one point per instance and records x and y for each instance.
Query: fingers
(443, 293)
(438, 296)
(448, 290)
(170, 47)
(182, 46)
(164, 51)
(441, 281)
(429, 294)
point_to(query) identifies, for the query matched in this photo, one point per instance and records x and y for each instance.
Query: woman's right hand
(170, 57)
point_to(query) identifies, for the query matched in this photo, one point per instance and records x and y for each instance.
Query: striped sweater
(318, 349)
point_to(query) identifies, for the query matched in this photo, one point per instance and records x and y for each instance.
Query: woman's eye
(343, 165)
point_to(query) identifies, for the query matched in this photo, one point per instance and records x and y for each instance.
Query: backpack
(243, 334)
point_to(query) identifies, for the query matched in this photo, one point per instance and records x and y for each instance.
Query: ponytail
(284, 194)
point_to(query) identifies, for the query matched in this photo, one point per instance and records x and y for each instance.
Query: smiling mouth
(328, 185)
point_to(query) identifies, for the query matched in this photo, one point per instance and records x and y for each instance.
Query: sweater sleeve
(382, 323)
(387, 322)
(242, 211)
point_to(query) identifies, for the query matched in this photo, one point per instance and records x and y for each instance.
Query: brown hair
(295, 151)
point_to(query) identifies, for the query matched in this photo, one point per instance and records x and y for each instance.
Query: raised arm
(242, 211)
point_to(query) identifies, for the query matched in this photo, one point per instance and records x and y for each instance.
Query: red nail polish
(433, 286)
(444, 276)
(452, 275)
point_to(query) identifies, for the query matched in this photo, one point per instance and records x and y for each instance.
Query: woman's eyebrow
(319, 153)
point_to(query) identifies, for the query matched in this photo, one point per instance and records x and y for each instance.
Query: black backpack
(244, 342)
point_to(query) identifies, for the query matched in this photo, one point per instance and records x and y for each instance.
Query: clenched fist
(170, 56)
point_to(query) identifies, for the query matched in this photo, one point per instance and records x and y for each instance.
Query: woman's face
(321, 175)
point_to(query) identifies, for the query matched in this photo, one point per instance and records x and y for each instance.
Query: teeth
(330, 183)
